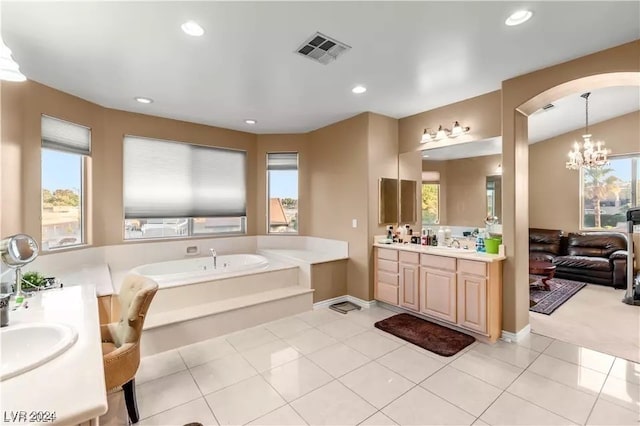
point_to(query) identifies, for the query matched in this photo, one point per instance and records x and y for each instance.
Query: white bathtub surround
(188, 309)
(188, 271)
(75, 267)
(78, 370)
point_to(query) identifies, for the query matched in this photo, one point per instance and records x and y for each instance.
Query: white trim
(508, 336)
(346, 298)
(362, 303)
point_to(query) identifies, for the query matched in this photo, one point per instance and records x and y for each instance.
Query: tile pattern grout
(368, 319)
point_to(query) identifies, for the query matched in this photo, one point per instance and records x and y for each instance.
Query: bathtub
(188, 271)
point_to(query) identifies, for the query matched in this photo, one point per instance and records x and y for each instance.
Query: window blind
(165, 179)
(65, 136)
(282, 161)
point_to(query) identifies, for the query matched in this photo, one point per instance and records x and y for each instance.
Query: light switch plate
(354, 223)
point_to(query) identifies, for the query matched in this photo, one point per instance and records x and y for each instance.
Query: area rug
(432, 337)
(545, 302)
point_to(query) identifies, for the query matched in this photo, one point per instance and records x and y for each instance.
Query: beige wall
(11, 110)
(554, 190)
(21, 149)
(338, 176)
(481, 114)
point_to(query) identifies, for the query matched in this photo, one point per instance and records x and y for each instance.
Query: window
(282, 192)
(430, 203)
(430, 197)
(174, 189)
(65, 148)
(608, 192)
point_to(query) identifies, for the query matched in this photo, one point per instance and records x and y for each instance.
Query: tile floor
(324, 368)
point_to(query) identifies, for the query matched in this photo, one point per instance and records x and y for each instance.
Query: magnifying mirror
(17, 251)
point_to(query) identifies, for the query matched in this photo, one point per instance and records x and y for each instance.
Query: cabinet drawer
(472, 267)
(387, 278)
(406, 257)
(438, 262)
(388, 265)
(387, 254)
(387, 293)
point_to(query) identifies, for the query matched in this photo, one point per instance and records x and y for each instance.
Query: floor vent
(345, 307)
(323, 49)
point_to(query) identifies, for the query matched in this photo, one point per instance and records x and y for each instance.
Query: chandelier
(456, 130)
(592, 155)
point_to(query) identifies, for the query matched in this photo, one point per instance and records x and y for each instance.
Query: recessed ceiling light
(519, 17)
(144, 100)
(359, 89)
(192, 28)
(250, 121)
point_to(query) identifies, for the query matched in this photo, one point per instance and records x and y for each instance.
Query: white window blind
(65, 136)
(282, 161)
(165, 179)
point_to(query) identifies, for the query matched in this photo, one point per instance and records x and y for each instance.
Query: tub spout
(215, 258)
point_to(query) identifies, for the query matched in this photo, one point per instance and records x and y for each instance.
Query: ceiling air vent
(321, 48)
(548, 107)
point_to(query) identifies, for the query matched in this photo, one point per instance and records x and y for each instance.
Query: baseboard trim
(508, 336)
(328, 302)
(346, 298)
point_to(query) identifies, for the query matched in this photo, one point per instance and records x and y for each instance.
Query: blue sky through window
(60, 170)
(283, 184)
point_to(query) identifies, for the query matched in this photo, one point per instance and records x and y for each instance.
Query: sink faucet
(455, 243)
(215, 258)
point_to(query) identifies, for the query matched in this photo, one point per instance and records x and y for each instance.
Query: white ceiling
(412, 56)
(567, 114)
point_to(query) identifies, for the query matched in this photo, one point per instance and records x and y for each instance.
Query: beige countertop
(72, 384)
(443, 251)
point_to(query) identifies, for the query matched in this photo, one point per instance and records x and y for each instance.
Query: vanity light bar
(441, 133)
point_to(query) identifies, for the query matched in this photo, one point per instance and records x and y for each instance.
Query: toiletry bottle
(447, 236)
(480, 241)
(434, 240)
(390, 232)
(441, 240)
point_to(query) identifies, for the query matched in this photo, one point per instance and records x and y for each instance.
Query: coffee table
(547, 269)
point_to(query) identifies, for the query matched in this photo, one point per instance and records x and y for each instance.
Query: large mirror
(461, 185)
(388, 201)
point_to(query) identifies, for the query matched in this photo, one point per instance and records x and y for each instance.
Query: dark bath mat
(432, 337)
(193, 424)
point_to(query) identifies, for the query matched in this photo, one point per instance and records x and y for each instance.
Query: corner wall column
(515, 212)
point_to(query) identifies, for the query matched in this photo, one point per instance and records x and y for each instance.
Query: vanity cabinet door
(409, 286)
(438, 293)
(472, 302)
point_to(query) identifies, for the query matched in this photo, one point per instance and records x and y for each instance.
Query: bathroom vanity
(69, 388)
(459, 288)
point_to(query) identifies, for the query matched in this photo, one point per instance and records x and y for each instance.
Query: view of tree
(598, 183)
(289, 203)
(430, 200)
(60, 197)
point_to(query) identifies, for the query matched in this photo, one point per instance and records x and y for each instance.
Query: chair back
(135, 298)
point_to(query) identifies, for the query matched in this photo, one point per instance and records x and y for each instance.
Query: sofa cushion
(545, 240)
(583, 262)
(596, 244)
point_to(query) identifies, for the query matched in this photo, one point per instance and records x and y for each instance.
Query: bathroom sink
(24, 347)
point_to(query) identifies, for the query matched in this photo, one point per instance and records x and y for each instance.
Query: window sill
(65, 249)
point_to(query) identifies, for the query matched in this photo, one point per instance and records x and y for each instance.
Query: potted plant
(33, 281)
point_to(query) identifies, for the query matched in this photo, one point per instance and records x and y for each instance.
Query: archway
(522, 96)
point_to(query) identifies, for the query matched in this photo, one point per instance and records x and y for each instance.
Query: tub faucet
(215, 258)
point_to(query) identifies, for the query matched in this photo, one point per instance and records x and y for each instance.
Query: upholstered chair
(121, 340)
